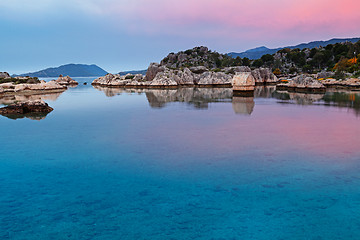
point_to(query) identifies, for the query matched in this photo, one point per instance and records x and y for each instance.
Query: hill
(143, 72)
(73, 70)
(257, 53)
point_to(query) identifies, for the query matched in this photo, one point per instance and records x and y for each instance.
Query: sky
(120, 35)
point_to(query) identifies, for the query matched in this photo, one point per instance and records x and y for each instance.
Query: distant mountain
(143, 72)
(73, 70)
(257, 53)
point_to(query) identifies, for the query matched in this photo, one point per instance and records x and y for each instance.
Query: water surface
(183, 164)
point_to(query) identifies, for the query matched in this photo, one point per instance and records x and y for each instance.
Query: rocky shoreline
(159, 76)
(29, 86)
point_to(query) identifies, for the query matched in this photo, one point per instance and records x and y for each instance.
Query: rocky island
(198, 67)
(201, 67)
(35, 110)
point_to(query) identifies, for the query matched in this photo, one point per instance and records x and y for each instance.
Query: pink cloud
(242, 18)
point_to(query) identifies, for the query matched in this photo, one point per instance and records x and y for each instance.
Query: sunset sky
(122, 35)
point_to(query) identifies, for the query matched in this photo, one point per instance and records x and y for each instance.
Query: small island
(306, 70)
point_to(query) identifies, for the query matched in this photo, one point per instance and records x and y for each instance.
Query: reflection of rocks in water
(114, 91)
(344, 99)
(197, 97)
(33, 116)
(264, 91)
(158, 98)
(243, 105)
(305, 98)
(7, 100)
(299, 98)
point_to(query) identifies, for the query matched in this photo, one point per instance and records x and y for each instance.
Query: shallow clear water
(183, 164)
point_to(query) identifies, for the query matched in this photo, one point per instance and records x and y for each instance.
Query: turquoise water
(183, 164)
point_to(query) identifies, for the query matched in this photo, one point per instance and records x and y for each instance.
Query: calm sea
(182, 164)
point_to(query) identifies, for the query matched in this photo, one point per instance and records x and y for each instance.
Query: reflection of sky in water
(182, 166)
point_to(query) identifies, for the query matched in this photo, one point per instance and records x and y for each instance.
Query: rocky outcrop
(65, 81)
(324, 75)
(234, 70)
(160, 76)
(153, 70)
(4, 75)
(348, 83)
(302, 83)
(199, 69)
(264, 76)
(31, 109)
(11, 88)
(116, 80)
(214, 79)
(243, 82)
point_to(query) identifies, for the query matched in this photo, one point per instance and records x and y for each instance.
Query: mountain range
(258, 52)
(72, 70)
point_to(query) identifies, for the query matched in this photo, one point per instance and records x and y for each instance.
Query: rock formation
(264, 76)
(65, 81)
(348, 83)
(4, 75)
(302, 83)
(31, 109)
(11, 88)
(243, 83)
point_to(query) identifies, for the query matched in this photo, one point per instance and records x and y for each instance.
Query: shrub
(277, 72)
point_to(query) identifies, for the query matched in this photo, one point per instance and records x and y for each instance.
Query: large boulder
(234, 70)
(66, 81)
(325, 74)
(264, 76)
(152, 70)
(26, 107)
(214, 78)
(4, 75)
(198, 69)
(185, 77)
(243, 82)
(164, 79)
(303, 83)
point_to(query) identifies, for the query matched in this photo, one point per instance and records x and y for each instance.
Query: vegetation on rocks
(20, 80)
(340, 58)
(200, 56)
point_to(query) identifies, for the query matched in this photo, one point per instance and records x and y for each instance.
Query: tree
(267, 58)
(246, 61)
(258, 63)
